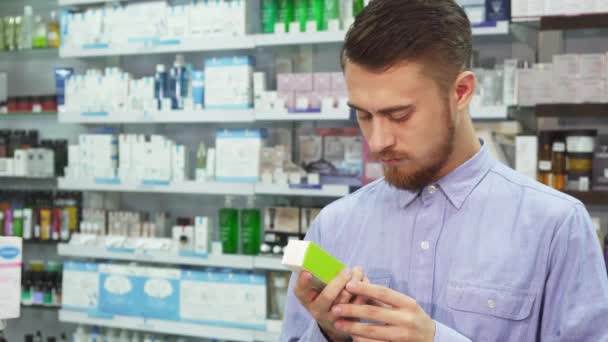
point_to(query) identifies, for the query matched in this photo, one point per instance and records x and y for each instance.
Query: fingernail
(337, 310)
(347, 272)
(351, 285)
(339, 325)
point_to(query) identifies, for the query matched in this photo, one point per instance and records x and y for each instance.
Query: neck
(466, 145)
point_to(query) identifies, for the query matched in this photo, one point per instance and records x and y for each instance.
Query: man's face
(406, 120)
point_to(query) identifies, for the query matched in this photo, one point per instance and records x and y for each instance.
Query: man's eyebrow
(384, 111)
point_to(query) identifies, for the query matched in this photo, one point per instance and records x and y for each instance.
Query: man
(450, 245)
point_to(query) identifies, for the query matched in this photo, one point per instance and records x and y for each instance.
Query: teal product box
(159, 294)
(119, 288)
(198, 89)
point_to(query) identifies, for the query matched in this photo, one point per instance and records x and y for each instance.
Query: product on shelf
(580, 145)
(283, 16)
(23, 155)
(94, 333)
(307, 256)
(41, 284)
(281, 224)
(600, 164)
(44, 216)
(170, 294)
(278, 284)
(12, 257)
(154, 23)
(531, 9)
(237, 156)
(302, 93)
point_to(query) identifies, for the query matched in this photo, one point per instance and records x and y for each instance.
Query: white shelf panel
(298, 38)
(161, 327)
(261, 115)
(82, 2)
(286, 190)
(91, 252)
(211, 188)
(269, 263)
(202, 116)
(265, 336)
(221, 261)
(210, 43)
(501, 28)
(489, 112)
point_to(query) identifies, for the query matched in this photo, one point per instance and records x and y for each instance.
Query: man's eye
(363, 116)
(401, 116)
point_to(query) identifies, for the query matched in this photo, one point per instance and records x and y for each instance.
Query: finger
(363, 339)
(345, 296)
(373, 332)
(360, 300)
(304, 290)
(381, 294)
(329, 294)
(370, 313)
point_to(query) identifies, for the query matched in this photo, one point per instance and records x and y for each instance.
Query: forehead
(406, 81)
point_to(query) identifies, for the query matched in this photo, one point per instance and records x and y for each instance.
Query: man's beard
(415, 177)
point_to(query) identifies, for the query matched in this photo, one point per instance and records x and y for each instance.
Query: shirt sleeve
(575, 303)
(298, 324)
(443, 333)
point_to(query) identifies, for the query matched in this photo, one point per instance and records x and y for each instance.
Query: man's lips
(389, 161)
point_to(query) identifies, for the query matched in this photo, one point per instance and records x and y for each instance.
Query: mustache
(388, 155)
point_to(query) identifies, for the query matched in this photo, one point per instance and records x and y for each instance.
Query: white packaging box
(591, 91)
(179, 163)
(10, 271)
(259, 83)
(46, 163)
(184, 237)
(600, 6)
(6, 167)
(178, 21)
(239, 298)
(509, 82)
(543, 84)
(202, 235)
(592, 66)
(80, 286)
(554, 7)
(526, 154)
(238, 155)
(228, 83)
(567, 66)
(20, 167)
(565, 90)
(524, 87)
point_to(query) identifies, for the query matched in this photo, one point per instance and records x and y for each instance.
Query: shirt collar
(459, 183)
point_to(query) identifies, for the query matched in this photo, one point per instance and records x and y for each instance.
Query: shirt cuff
(313, 333)
(443, 333)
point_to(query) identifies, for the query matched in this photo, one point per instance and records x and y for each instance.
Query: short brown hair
(388, 32)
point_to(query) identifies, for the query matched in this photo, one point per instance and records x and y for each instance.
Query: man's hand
(319, 303)
(399, 317)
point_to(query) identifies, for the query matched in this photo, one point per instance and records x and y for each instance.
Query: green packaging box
(306, 256)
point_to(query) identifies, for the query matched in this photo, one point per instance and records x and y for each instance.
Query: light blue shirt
(489, 254)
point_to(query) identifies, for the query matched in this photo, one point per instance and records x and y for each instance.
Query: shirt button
(432, 189)
(491, 304)
(425, 245)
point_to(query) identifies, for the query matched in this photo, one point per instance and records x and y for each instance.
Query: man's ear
(464, 89)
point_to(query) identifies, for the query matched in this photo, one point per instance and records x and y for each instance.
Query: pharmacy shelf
(25, 115)
(574, 22)
(337, 115)
(209, 188)
(195, 188)
(211, 43)
(289, 190)
(593, 110)
(268, 263)
(163, 327)
(591, 197)
(491, 29)
(82, 2)
(489, 113)
(299, 38)
(222, 261)
(202, 116)
(230, 42)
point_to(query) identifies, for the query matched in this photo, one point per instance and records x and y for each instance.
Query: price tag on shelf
(37, 108)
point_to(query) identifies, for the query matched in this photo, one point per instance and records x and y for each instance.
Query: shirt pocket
(490, 313)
